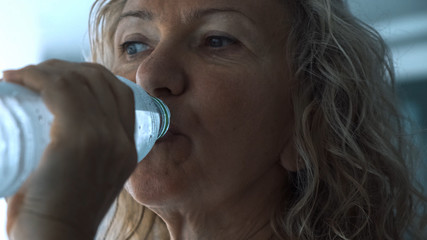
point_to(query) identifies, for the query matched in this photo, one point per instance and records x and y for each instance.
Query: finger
(89, 77)
(30, 76)
(70, 100)
(126, 105)
(96, 78)
(67, 92)
(101, 90)
(86, 90)
(123, 96)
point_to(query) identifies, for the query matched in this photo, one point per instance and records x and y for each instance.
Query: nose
(162, 73)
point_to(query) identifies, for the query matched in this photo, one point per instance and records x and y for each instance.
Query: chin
(154, 183)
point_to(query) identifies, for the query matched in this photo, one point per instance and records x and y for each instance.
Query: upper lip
(173, 127)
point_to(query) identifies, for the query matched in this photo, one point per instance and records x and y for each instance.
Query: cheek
(243, 111)
(222, 102)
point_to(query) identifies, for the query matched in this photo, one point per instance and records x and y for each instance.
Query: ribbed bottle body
(24, 134)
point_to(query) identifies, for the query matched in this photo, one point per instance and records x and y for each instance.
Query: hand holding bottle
(89, 158)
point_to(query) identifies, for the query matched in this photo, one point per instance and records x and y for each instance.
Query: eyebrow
(147, 15)
(142, 14)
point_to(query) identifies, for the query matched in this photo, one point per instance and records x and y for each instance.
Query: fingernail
(9, 75)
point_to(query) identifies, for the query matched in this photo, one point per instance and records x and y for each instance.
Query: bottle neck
(162, 108)
(164, 115)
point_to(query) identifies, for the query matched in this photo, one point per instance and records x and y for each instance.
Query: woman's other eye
(219, 41)
(133, 48)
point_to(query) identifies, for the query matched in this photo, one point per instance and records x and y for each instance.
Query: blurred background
(33, 31)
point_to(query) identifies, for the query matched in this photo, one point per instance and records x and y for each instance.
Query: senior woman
(284, 126)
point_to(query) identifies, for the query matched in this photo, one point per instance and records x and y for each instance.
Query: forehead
(260, 11)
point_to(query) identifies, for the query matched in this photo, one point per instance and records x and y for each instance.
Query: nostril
(162, 93)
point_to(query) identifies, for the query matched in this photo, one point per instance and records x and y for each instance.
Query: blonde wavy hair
(349, 134)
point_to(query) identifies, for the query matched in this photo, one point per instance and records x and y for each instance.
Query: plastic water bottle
(25, 124)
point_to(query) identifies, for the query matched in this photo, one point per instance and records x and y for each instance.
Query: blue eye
(132, 48)
(219, 41)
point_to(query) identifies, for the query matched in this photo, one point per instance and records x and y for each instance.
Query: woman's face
(220, 67)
